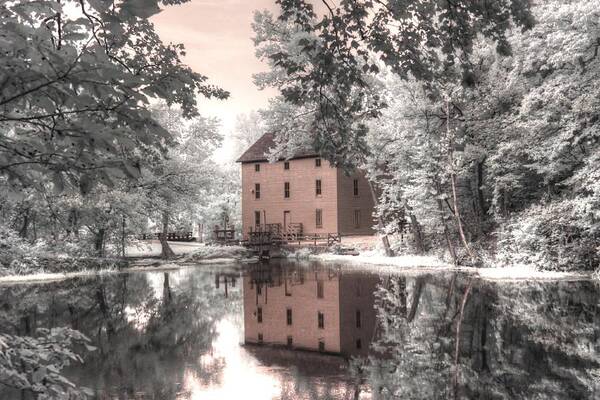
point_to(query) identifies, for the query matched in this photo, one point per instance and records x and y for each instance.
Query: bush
(17, 253)
(213, 252)
(35, 363)
(551, 237)
(20, 257)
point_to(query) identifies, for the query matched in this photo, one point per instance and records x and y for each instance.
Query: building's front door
(287, 218)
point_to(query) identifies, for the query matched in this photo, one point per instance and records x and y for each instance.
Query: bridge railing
(171, 236)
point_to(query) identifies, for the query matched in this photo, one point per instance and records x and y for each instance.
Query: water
(311, 331)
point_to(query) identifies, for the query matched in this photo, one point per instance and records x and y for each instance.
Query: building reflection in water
(315, 309)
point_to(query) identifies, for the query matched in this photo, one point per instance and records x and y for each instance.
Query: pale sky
(217, 38)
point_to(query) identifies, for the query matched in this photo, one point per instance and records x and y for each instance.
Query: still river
(289, 330)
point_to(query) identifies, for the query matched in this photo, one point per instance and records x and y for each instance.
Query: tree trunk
(480, 202)
(480, 198)
(54, 230)
(25, 226)
(419, 285)
(166, 251)
(417, 235)
(104, 309)
(457, 337)
(459, 219)
(384, 238)
(504, 204)
(123, 235)
(167, 294)
(402, 296)
(453, 182)
(447, 234)
(34, 226)
(99, 242)
(73, 223)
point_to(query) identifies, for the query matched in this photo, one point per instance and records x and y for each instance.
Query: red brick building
(304, 193)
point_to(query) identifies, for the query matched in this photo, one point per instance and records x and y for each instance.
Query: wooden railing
(270, 234)
(171, 236)
(224, 235)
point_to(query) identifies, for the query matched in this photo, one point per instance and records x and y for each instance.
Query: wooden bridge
(265, 237)
(171, 236)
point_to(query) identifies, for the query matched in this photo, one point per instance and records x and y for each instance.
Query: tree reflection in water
(176, 335)
(149, 334)
(515, 340)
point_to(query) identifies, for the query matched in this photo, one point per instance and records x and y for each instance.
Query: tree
(76, 78)
(325, 64)
(248, 129)
(174, 183)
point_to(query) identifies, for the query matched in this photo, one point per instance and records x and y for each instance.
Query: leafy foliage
(150, 329)
(76, 79)
(35, 363)
(325, 65)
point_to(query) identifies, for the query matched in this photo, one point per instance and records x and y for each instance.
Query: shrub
(551, 237)
(35, 363)
(213, 252)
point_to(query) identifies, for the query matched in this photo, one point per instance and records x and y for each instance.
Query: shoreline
(410, 264)
(368, 263)
(156, 266)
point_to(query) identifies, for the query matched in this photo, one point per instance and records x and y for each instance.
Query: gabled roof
(258, 151)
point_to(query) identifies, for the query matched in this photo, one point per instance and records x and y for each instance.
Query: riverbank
(145, 259)
(366, 262)
(407, 263)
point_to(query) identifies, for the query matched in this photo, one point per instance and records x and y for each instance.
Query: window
(286, 190)
(257, 218)
(286, 165)
(290, 341)
(358, 320)
(355, 187)
(318, 187)
(321, 320)
(319, 218)
(257, 190)
(259, 315)
(260, 338)
(317, 162)
(357, 218)
(358, 344)
(288, 314)
(321, 345)
(319, 289)
(258, 289)
(257, 167)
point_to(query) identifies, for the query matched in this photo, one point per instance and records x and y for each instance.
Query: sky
(217, 38)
